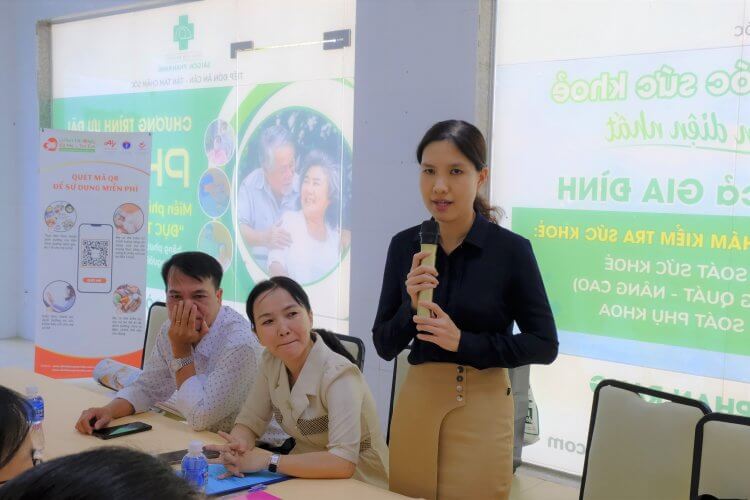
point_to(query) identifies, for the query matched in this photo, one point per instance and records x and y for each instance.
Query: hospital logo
(183, 32)
(126, 145)
(141, 145)
(50, 144)
(110, 144)
(70, 145)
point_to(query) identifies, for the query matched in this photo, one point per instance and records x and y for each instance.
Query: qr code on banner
(95, 253)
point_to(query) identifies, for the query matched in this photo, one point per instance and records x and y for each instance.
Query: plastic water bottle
(195, 466)
(37, 417)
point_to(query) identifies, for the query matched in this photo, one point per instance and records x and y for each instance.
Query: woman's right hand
(420, 278)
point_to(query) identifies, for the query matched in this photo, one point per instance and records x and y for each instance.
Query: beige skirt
(452, 433)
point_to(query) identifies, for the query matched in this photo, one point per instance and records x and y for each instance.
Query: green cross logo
(183, 32)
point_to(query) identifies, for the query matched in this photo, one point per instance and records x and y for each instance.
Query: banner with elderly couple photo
(252, 155)
(278, 164)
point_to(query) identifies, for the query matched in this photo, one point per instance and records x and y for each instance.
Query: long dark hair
(15, 413)
(470, 141)
(109, 472)
(300, 297)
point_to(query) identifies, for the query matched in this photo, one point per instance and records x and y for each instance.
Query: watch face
(273, 463)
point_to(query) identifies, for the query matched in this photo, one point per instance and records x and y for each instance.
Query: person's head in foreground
(281, 316)
(16, 451)
(110, 473)
(193, 281)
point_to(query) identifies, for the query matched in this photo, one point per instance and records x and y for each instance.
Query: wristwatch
(273, 464)
(180, 363)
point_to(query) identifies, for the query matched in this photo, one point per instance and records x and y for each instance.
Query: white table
(64, 403)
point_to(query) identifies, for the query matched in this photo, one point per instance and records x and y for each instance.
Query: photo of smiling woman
(452, 426)
(310, 385)
(316, 241)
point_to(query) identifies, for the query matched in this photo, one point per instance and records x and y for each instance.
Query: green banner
(640, 276)
(200, 137)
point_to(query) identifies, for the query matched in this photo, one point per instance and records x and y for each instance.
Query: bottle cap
(195, 448)
(32, 391)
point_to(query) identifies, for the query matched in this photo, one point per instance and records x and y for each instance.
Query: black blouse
(488, 282)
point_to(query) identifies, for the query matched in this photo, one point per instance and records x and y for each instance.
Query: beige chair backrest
(157, 315)
(722, 448)
(639, 449)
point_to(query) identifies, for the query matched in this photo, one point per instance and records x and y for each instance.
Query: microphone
(428, 238)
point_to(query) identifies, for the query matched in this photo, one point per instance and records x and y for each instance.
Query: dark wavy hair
(15, 413)
(109, 472)
(470, 141)
(300, 297)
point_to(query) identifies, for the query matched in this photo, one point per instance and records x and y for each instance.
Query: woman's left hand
(256, 460)
(440, 328)
(230, 454)
(237, 463)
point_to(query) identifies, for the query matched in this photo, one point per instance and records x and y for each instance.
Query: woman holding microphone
(452, 426)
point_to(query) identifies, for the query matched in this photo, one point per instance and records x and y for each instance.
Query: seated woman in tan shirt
(309, 384)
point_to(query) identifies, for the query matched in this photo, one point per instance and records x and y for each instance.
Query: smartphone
(95, 258)
(175, 457)
(121, 430)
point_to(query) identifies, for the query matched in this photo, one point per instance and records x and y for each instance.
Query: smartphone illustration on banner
(95, 258)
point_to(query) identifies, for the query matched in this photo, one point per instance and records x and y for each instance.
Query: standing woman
(452, 426)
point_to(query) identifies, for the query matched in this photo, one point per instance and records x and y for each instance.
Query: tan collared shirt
(329, 408)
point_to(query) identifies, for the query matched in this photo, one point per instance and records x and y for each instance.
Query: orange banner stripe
(56, 365)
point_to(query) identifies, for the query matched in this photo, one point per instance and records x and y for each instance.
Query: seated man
(205, 352)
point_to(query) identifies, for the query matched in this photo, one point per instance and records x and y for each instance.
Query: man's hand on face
(184, 329)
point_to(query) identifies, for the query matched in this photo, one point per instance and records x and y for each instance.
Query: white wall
(10, 178)
(415, 65)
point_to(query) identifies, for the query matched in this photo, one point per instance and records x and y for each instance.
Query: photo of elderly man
(267, 192)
